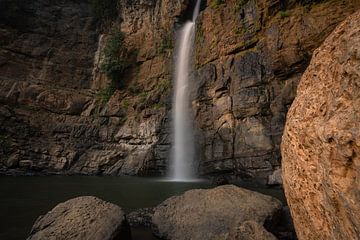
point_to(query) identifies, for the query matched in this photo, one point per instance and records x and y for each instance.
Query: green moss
(143, 97)
(165, 45)
(238, 31)
(116, 61)
(284, 14)
(126, 104)
(113, 65)
(239, 5)
(216, 3)
(105, 94)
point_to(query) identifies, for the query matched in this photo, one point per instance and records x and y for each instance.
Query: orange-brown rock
(321, 143)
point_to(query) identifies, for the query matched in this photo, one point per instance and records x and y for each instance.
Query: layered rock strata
(249, 57)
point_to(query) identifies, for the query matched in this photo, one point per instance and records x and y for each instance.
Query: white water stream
(182, 167)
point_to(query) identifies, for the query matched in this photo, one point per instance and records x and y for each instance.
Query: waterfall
(182, 166)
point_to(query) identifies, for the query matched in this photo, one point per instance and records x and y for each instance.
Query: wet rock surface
(82, 218)
(320, 146)
(210, 214)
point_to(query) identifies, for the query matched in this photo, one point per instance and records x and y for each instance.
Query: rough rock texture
(52, 116)
(210, 214)
(141, 217)
(321, 143)
(250, 56)
(275, 178)
(82, 218)
(250, 230)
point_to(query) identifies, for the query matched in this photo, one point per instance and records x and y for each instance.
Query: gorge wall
(249, 58)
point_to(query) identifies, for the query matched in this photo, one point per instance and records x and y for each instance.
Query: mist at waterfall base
(182, 161)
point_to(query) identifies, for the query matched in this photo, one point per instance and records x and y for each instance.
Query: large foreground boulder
(213, 214)
(250, 230)
(321, 142)
(82, 218)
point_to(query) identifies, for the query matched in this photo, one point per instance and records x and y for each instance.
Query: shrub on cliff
(115, 61)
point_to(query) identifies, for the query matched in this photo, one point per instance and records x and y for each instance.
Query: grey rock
(141, 217)
(82, 218)
(250, 230)
(209, 214)
(275, 178)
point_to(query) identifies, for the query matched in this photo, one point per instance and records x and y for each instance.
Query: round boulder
(82, 218)
(321, 141)
(211, 214)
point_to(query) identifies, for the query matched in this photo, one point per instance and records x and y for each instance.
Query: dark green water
(23, 199)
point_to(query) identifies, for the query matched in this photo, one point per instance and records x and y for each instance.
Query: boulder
(82, 218)
(140, 218)
(275, 178)
(210, 214)
(250, 230)
(321, 142)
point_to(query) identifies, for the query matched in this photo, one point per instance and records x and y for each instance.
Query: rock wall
(53, 117)
(249, 58)
(320, 147)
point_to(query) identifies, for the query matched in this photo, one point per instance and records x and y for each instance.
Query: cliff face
(53, 115)
(321, 141)
(249, 55)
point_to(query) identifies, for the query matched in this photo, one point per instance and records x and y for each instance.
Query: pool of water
(23, 199)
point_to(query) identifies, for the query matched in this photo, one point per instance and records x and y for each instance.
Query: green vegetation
(113, 65)
(105, 94)
(239, 5)
(126, 103)
(165, 45)
(104, 9)
(143, 98)
(216, 3)
(116, 60)
(284, 14)
(239, 30)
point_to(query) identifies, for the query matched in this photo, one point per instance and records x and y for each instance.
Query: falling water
(183, 149)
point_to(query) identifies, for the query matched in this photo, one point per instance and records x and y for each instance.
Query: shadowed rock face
(320, 146)
(82, 218)
(214, 214)
(249, 57)
(52, 116)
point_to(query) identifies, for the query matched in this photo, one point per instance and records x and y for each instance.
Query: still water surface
(23, 199)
